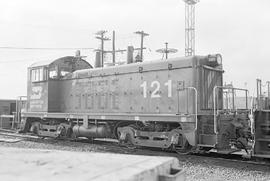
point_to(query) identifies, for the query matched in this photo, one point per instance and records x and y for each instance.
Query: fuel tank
(93, 131)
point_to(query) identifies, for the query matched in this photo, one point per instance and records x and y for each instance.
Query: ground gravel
(196, 167)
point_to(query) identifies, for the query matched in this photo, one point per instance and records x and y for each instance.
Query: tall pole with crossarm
(142, 34)
(190, 27)
(102, 38)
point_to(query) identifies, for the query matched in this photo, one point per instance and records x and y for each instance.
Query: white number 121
(156, 85)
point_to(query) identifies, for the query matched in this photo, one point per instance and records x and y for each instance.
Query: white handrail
(196, 106)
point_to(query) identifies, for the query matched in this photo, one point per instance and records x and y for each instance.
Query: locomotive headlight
(215, 60)
(219, 59)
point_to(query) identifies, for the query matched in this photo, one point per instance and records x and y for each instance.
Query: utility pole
(113, 48)
(268, 95)
(190, 27)
(142, 34)
(268, 89)
(102, 38)
(259, 93)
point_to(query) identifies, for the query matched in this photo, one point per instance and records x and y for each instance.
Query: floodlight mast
(190, 27)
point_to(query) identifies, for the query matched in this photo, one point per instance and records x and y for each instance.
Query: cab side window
(54, 73)
(38, 74)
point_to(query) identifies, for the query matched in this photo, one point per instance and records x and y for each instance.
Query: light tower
(190, 27)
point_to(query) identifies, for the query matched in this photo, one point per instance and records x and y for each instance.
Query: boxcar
(7, 108)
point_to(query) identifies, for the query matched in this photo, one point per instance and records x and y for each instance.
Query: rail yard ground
(196, 167)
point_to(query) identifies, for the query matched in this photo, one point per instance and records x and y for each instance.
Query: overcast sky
(239, 30)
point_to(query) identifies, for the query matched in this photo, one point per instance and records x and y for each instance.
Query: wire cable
(31, 48)
(17, 61)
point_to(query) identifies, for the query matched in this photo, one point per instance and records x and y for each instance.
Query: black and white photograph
(134, 90)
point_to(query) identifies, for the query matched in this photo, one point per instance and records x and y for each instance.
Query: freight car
(174, 104)
(7, 108)
(262, 123)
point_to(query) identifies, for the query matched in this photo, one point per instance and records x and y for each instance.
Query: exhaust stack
(130, 50)
(98, 60)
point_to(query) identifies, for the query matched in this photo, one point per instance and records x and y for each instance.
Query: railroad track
(114, 146)
(236, 159)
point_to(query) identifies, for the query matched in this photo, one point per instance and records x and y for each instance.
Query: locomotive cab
(44, 79)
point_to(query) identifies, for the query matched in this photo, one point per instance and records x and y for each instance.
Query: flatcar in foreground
(169, 104)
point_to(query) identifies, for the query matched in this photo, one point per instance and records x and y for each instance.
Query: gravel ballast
(196, 167)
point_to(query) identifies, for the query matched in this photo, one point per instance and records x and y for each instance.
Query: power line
(17, 61)
(43, 48)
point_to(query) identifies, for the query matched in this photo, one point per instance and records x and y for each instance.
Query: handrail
(18, 110)
(214, 97)
(196, 106)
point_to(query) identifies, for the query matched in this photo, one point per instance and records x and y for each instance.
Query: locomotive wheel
(128, 140)
(184, 150)
(34, 129)
(61, 131)
(119, 124)
(183, 147)
(73, 137)
(64, 131)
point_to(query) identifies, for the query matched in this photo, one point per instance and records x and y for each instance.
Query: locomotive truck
(174, 104)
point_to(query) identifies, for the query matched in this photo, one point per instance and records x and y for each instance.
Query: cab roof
(77, 63)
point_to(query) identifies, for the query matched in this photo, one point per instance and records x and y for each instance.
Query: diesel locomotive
(174, 104)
